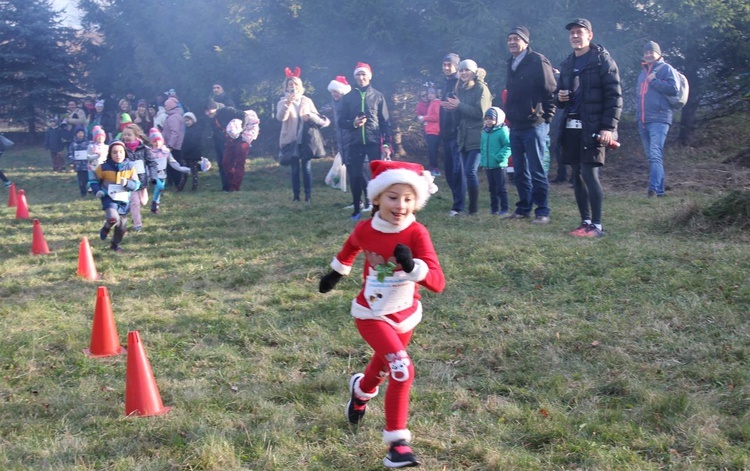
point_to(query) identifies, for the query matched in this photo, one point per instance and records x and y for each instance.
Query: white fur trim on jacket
(340, 268)
(390, 436)
(408, 324)
(363, 395)
(419, 272)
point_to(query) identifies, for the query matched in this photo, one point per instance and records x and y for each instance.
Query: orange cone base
(121, 351)
(163, 411)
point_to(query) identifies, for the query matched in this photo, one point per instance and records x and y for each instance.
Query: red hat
(361, 66)
(339, 84)
(389, 172)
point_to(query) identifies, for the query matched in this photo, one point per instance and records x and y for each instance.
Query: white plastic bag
(336, 177)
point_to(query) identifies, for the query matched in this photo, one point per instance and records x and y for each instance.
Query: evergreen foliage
(37, 62)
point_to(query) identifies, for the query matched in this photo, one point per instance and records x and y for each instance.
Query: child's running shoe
(400, 455)
(356, 407)
(155, 207)
(103, 233)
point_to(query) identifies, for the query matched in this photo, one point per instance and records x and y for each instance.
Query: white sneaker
(351, 206)
(453, 213)
(367, 209)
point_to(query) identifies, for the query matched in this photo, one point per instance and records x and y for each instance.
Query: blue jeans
(466, 179)
(653, 136)
(450, 155)
(304, 164)
(527, 147)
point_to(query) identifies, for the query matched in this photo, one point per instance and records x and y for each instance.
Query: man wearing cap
(365, 113)
(529, 108)
(448, 124)
(656, 82)
(590, 95)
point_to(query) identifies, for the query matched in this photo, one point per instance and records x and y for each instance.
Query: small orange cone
(104, 339)
(12, 196)
(141, 393)
(86, 267)
(22, 209)
(38, 244)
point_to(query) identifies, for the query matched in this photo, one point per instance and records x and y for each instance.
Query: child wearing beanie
(112, 182)
(158, 173)
(494, 154)
(78, 156)
(399, 256)
(97, 151)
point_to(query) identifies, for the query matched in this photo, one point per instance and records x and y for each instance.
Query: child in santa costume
(399, 255)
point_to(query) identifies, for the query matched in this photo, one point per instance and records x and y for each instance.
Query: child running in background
(112, 182)
(135, 142)
(399, 255)
(97, 151)
(495, 150)
(79, 156)
(162, 156)
(235, 154)
(53, 142)
(191, 148)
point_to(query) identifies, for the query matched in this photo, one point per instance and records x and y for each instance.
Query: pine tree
(37, 62)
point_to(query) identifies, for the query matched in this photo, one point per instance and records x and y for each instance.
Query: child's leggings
(158, 188)
(137, 199)
(389, 360)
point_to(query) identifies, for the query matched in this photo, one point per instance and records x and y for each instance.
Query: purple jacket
(174, 126)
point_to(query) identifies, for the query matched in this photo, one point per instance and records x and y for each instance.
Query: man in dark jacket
(590, 95)
(653, 113)
(365, 113)
(448, 126)
(221, 96)
(529, 108)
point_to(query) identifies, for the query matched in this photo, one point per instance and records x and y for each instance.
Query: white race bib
(139, 167)
(391, 295)
(81, 155)
(118, 193)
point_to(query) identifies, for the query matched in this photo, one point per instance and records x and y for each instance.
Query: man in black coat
(365, 113)
(529, 108)
(590, 95)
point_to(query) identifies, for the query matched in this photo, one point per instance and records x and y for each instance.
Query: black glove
(404, 257)
(329, 280)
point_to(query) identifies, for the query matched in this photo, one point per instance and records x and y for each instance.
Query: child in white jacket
(162, 156)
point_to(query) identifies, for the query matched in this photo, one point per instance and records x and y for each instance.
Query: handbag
(312, 138)
(287, 153)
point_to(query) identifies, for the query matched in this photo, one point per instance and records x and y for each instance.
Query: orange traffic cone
(22, 210)
(104, 339)
(38, 244)
(141, 393)
(86, 267)
(12, 196)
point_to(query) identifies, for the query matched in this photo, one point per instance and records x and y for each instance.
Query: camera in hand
(450, 95)
(612, 145)
(361, 115)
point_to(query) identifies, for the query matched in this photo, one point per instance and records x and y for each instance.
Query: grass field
(545, 352)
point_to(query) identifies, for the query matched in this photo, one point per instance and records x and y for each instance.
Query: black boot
(473, 199)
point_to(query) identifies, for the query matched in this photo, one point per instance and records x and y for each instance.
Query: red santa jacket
(378, 239)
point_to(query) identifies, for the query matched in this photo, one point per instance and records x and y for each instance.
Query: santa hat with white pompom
(389, 172)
